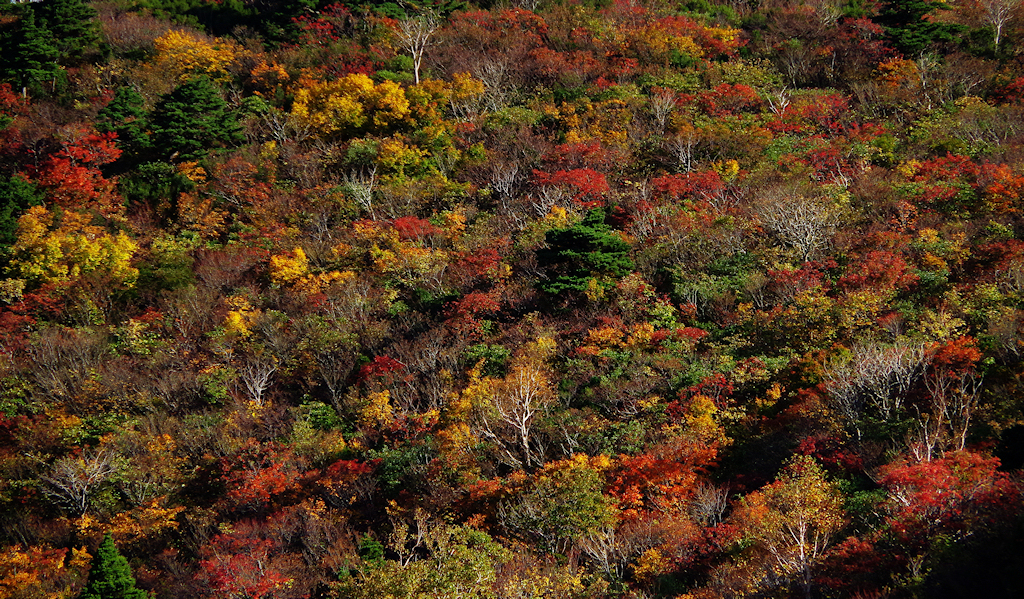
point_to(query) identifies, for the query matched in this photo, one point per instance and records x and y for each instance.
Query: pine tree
(110, 576)
(29, 52)
(588, 251)
(912, 27)
(192, 119)
(16, 195)
(72, 24)
(126, 116)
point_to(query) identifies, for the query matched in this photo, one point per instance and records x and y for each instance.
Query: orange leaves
(38, 571)
(1005, 189)
(71, 176)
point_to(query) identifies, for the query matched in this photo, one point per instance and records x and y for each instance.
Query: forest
(517, 299)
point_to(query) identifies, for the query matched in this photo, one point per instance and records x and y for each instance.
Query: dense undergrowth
(552, 299)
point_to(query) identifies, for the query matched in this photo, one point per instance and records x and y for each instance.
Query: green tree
(911, 25)
(110, 576)
(126, 116)
(29, 52)
(192, 119)
(16, 195)
(586, 254)
(72, 23)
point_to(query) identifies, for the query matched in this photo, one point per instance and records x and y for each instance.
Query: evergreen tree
(910, 26)
(29, 53)
(126, 116)
(192, 119)
(110, 576)
(587, 251)
(72, 23)
(16, 194)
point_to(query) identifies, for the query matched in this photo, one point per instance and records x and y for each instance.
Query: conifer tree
(587, 251)
(126, 116)
(29, 52)
(192, 119)
(72, 23)
(110, 576)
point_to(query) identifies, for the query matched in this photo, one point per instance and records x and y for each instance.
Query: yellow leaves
(197, 214)
(38, 571)
(316, 283)
(192, 171)
(604, 337)
(377, 411)
(395, 156)
(182, 54)
(559, 218)
(661, 43)
(268, 77)
(286, 269)
(134, 525)
(640, 335)
(49, 252)
(349, 104)
(897, 72)
(651, 565)
(728, 169)
(723, 34)
(240, 319)
(701, 419)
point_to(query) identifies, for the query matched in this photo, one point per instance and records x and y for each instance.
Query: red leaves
(410, 228)
(638, 482)
(706, 186)
(946, 493)
(257, 474)
(727, 99)
(879, 269)
(589, 185)
(71, 175)
(957, 356)
(240, 565)
(380, 367)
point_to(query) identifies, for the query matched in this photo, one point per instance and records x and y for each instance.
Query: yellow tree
(54, 250)
(349, 104)
(182, 54)
(793, 519)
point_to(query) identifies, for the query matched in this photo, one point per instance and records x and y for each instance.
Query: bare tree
(497, 76)
(709, 503)
(805, 224)
(414, 36)
(681, 147)
(954, 398)
(875, 376)
(360, 186)
(778, 99)
(997, 13)
(72, 480)
(662, 103)
(506, 413)
(505, 176)
(256, 374)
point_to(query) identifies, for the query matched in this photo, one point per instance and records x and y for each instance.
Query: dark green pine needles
(110, 576)
(193, 119)
(589, 250)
